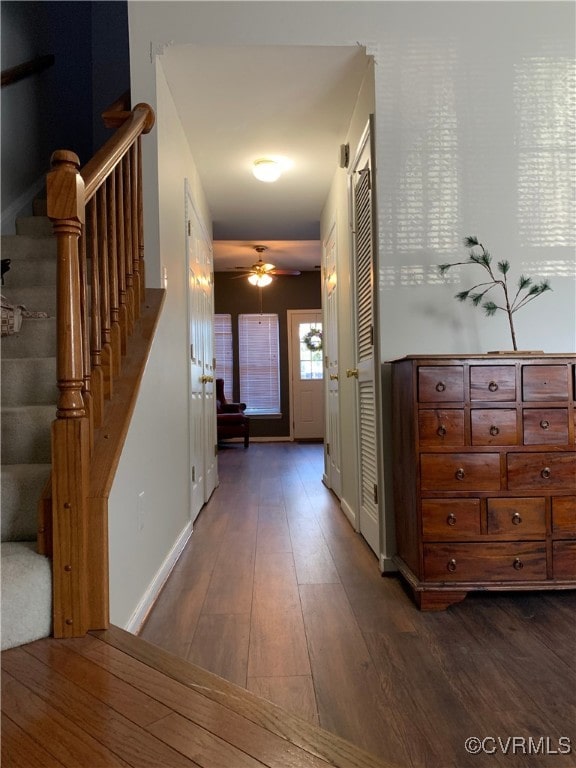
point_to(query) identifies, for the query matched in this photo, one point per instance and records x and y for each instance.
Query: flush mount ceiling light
(269, 169)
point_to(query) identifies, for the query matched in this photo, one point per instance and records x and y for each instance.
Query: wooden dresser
(484, 469)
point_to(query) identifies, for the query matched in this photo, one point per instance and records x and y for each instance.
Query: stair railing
(97, 220)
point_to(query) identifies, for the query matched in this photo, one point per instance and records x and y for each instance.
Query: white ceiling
(241, 103)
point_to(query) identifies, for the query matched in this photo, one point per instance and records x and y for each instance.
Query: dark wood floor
(275, 592)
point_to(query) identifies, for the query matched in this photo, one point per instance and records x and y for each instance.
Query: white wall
(472, 134)
(156, 456)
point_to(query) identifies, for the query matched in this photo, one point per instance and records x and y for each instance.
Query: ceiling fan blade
(285, 272)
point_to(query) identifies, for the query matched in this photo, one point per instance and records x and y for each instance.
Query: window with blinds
(223, 352)
(259, 363)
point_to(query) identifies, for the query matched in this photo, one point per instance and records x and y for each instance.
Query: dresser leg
(434, 600)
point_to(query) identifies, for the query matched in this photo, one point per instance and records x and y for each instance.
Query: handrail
(19, 72)
(97, 219)
(140, 120)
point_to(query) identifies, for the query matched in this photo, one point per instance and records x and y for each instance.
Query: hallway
(276, 593)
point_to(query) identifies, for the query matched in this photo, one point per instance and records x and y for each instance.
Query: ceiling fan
(261, 272)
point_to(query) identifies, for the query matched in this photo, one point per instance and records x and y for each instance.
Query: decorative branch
(527, 290)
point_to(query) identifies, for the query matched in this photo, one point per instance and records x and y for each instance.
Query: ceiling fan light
(260, 280)
(267, 170)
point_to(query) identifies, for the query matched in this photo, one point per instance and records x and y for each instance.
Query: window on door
(259, 363)
(223, 352)
(310, 335)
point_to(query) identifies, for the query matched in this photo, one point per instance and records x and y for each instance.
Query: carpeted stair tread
(36, 298)
(26, 594)
(20, 247)
(37, 338)
(29, 381)
(22, 486)
(31, 271)
(26, 434)
(28, 396)
(34, 226)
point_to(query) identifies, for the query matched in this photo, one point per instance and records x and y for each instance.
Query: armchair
(231, 420)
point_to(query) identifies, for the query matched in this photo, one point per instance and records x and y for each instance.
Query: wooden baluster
(107, 364)
(85, 315)
(134, 228)
(140, 213)
(127, 216)
(121, 246)
(70, 430)
(95, 335)
(113, 292)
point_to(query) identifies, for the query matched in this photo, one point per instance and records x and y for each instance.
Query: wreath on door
(313, 340)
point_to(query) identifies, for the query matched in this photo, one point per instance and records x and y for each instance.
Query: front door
(307, 379)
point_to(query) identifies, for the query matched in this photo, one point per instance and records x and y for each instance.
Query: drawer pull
(459, 474)
(494, 430)
(516, 518)
(518, 564)
(546, 473)
(451, 519)
(544, 424)
(493, 387)
(440, 387)
(441, 431)
(451, 565)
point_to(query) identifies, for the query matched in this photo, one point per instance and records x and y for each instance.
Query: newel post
(70, 430)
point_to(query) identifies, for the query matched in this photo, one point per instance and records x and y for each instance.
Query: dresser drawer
(491, 561)
(517, 518)
(564, 559)
(544, 382)
(460, 471)
(494, 426)
(441, 427)
(541, 471)
(440, 383)
(445, 519)
(564, 516)
(545, 426)
(492, 382)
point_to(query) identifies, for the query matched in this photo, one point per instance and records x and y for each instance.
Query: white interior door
(307, 374)
(333, 472)
(202, 413)
(365, 368)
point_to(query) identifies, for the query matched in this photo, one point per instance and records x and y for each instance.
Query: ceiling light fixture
(267, 169)
(260, 280)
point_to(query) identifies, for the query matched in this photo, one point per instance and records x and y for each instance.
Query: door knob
(333, 377)
(350, 372)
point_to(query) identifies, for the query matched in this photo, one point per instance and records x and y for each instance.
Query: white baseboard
(387, 565)
(147, 601)
(349, 512)
(24, 201)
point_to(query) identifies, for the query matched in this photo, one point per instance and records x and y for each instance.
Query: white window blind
(259, 363)
(223, 352)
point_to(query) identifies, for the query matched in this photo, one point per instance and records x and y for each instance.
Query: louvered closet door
(365, 352)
